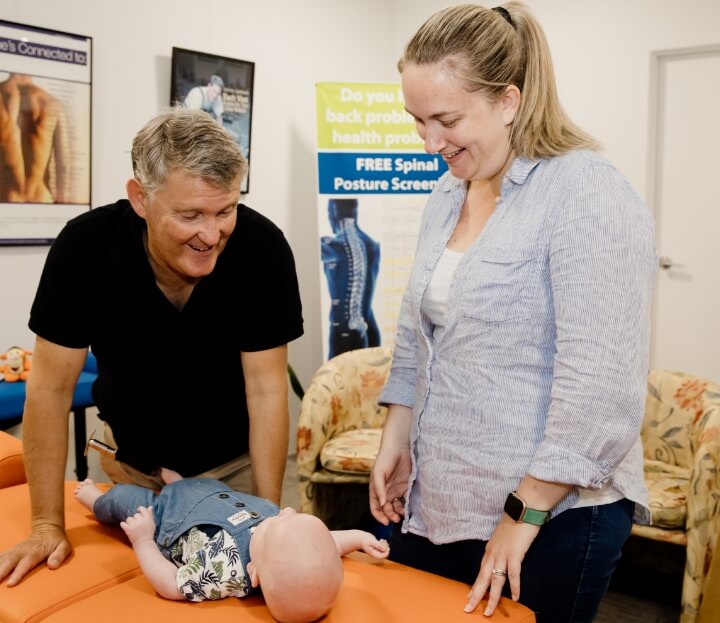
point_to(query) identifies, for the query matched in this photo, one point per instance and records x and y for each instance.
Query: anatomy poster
(373, 180)
(45, 94)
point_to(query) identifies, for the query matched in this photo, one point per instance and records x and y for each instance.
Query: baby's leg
(121, 501)
(86, 493)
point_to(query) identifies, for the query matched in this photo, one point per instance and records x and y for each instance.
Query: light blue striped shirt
(542, 365)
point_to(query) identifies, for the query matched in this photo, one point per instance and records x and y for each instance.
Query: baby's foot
(169, 476)
(86, 493)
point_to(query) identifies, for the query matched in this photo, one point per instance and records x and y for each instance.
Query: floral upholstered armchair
(338, 436)
(681, 440)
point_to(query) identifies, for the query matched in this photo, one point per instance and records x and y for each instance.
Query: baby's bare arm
(352, 540)
(160, 572)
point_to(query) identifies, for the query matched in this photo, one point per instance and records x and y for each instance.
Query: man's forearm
(269, 431)
(45, 442)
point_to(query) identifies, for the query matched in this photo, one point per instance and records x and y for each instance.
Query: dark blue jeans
(565, 573)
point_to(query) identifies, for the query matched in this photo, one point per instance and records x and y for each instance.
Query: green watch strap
(535, 517)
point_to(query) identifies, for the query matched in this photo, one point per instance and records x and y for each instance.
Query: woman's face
(470, 132)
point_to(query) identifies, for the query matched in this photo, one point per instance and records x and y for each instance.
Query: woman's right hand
(391, 470)
(389, 484)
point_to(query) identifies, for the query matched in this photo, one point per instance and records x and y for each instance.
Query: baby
(198, 539)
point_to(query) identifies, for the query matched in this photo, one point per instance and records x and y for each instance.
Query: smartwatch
(517, 510)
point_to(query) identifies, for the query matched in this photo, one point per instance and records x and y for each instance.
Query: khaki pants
(236, 473)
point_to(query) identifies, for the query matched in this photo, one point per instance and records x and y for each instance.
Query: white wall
(294, 45)
(602, 59)
(601, 52)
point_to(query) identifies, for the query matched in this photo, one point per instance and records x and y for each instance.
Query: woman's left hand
(502, 562)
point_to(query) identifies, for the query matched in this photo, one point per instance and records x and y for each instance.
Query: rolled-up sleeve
(602, 266)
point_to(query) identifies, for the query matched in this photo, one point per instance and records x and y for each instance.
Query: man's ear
(136, 196)
(510, 102)
(252, 572)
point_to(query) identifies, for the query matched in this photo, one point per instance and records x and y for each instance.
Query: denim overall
(185, 504)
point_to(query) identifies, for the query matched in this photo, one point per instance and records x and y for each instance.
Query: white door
(685, 187)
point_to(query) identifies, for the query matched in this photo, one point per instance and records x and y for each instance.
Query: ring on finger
(400, 499)
(499, 572)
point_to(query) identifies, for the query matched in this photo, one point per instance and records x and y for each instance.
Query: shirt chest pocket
(499, 284)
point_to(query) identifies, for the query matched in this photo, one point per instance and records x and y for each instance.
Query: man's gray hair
(190, 141)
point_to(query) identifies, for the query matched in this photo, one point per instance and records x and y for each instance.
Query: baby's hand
(140, 526)
(376, 549)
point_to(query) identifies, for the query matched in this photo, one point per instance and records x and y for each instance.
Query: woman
(511, 451)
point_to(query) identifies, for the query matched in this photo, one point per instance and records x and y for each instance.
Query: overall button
(254, 514)
(223, 496)
(239, 504)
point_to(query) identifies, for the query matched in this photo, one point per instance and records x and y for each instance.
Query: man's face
(188, 224)
(213, 91)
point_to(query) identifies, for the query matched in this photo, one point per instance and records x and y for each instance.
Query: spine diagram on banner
(351, 260)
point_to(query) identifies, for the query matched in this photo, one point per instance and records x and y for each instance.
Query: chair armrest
(12, 467)
(703, 521)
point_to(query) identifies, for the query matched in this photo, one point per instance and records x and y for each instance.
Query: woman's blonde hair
(188, 140)
(490, 49)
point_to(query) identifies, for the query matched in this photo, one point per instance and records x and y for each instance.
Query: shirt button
(239, 504)
(254, 515)
(223, 496)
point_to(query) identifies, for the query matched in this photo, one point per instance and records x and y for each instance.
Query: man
(208, 98)
(188, 301)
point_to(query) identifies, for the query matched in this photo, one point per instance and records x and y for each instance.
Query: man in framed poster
(219, 85)
(208, 98)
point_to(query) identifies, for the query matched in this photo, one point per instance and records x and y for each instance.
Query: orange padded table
(12, 468)
(385, 592)
(102, 557)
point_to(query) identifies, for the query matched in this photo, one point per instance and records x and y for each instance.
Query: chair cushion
(667, 491)
(676, 537)
(351, 452)
(323, 476)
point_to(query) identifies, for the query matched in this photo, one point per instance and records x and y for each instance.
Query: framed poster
(45, 131)
(222, 87)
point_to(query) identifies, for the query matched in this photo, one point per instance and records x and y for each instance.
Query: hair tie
(505, 13)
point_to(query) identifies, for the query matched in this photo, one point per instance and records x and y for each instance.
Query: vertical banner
(374, 178)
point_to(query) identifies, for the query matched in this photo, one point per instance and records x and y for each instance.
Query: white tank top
(434, 303)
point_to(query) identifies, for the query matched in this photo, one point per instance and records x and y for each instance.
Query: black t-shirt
(170, 382)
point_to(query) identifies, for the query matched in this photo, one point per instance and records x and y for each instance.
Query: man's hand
(140, 527)
(44, 544)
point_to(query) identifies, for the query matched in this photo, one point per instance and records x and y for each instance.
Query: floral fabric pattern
(342, 397)
(681, 441)
(352, 452)
(209, 567)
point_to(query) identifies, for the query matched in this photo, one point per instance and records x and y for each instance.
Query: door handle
(666, 263)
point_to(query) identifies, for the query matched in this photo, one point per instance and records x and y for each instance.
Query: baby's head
(294, 557)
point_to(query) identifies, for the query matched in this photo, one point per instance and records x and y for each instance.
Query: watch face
(514, 507)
